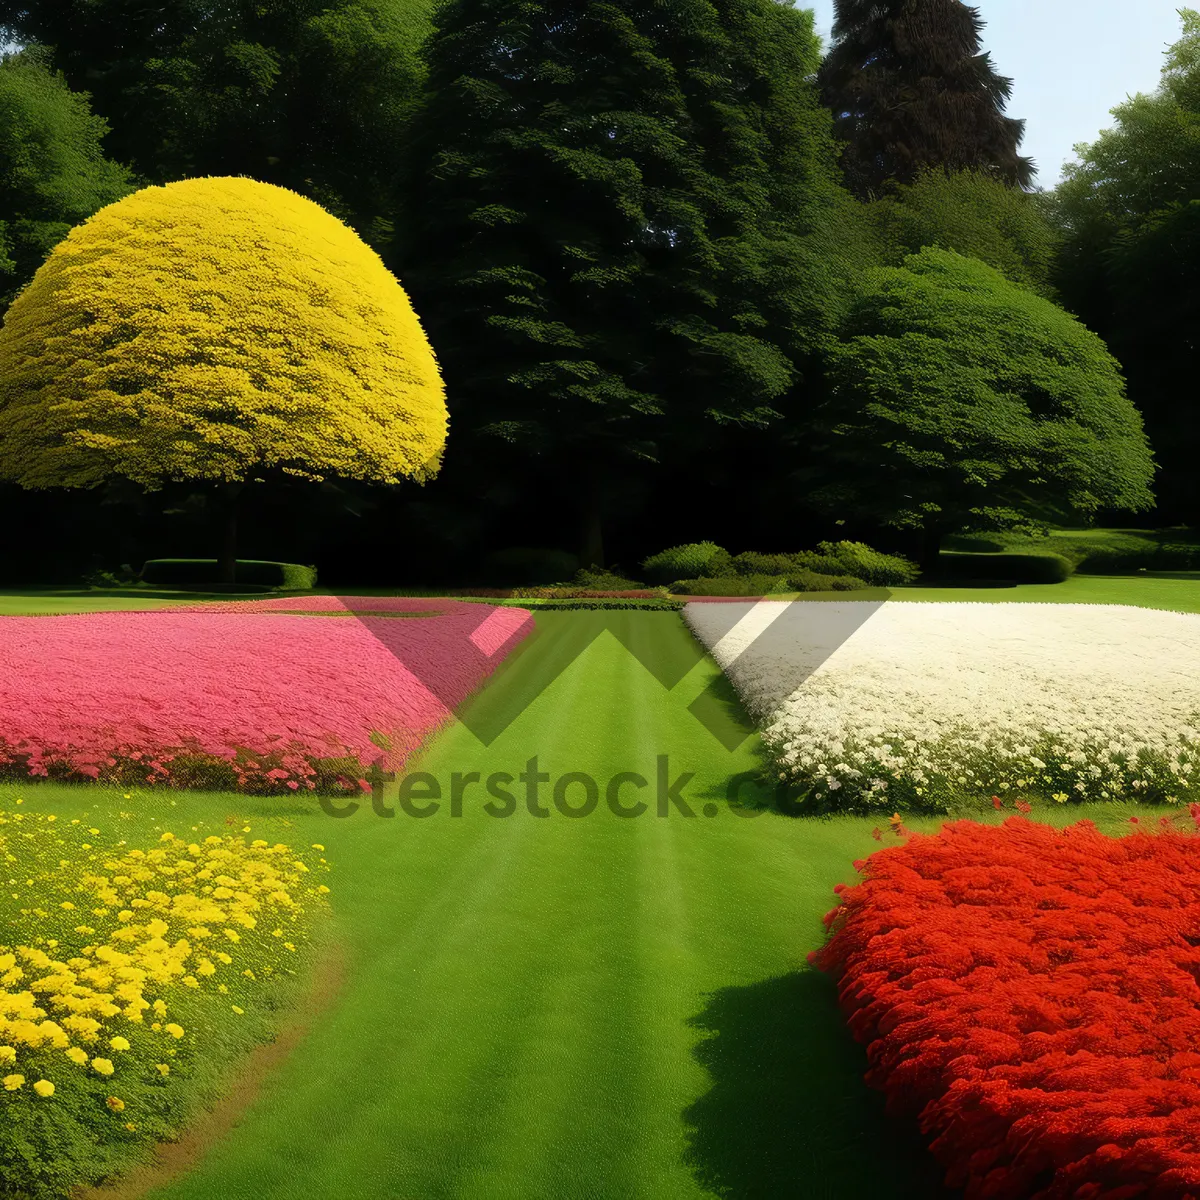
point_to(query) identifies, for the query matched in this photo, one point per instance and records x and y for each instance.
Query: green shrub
(525, 566)
(1030, 567)
(695, 560)
(204, 572)
(1098, 551)
(817, 581)
(750, 562)
(877, 568)
(597, 580)
(590, 603)
(822, 564)
(733, 585)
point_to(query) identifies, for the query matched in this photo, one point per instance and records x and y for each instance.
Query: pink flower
(170, 689)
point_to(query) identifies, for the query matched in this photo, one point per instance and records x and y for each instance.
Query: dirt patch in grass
(173, 1159)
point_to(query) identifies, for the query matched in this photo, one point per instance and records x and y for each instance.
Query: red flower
(1030, 993)
(1023, 807)
(876, 834)
(997, 803)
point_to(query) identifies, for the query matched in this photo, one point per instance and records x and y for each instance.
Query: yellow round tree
(211, 329)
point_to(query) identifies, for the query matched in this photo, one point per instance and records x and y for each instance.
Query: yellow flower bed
(128, 978)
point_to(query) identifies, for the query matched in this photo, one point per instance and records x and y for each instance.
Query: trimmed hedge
(818, 581)
(589, 604)
(767, 585)
(1029, 567)
(1098, 551)
(751, 562)
(204, 572)
(695, 560)
(733, 585)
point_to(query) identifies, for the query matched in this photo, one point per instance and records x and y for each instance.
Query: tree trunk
(931, 549)
(227, 563)
(592, 541)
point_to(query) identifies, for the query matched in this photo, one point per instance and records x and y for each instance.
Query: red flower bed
(1031, 995)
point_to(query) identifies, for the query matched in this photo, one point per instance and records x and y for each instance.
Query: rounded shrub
(694, 560)
(750, 562)
(208, 329)
(815, 581)
(733, 585)
(1029, 567)
(877, 568)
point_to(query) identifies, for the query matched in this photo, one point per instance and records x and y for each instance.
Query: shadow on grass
(788, 1114)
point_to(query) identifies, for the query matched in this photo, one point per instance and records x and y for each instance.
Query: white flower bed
(884, 704)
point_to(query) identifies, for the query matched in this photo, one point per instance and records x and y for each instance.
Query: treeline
(674, 263)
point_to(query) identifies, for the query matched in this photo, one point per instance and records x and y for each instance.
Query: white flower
(977, 695)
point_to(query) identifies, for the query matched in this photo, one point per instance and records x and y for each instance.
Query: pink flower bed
(238, 695)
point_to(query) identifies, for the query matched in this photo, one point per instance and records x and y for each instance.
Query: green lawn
(556, 1008)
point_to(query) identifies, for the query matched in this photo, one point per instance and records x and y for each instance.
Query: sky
(1071, 62)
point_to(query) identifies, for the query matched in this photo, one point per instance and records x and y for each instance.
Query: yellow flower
(1061, 797)
(162, 1068)
(118, 1043)
(176, 1031)
(12, 1082)
(102, 1066)
(130, 1126)
(44, 1087)
(240, 1011)
(318, 846)
(323, 890)
(115, 1103)
(7, 1055)
(77, 1056)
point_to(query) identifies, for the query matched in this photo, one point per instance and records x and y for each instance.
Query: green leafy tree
(623, 230)
(1137, 182)
(961, 401)
(312, 95)
(909, 88)
(978, 216)
(53, 171)
(219, 330)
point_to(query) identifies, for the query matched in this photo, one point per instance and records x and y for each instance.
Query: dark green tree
(1137, 182)
(623, 231)
(960, 401)
(978, 216)
(909, 88)
(53, 170)
(312, 95)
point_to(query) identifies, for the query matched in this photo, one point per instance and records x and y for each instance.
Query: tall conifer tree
(909, 88)
(617, 232)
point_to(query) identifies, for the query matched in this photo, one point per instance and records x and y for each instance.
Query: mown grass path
(596, 1007)
(541, 1008)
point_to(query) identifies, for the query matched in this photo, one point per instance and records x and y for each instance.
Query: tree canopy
(1130, 256)
(909, 88)
(960, 400)
(978, 216)
(617, 219)
(312, 95)
(53, 170)
(213, 329)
